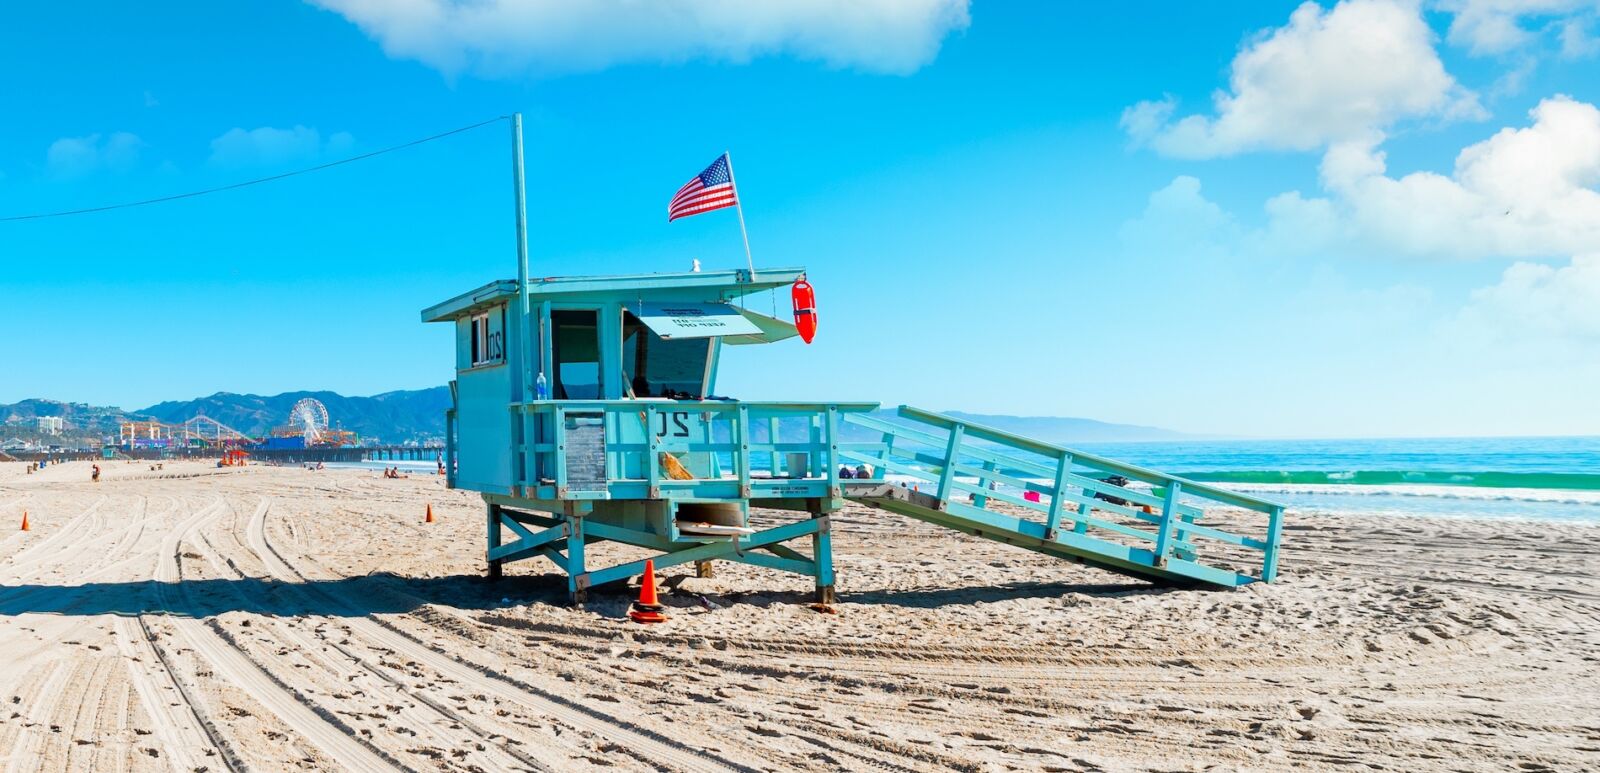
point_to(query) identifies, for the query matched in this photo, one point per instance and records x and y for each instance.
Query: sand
(278, 618)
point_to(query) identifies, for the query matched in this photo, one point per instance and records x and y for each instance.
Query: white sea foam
(1471, 493)
(1393, 500)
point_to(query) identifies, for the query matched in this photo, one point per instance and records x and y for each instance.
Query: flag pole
(520, 198)
(738, 205)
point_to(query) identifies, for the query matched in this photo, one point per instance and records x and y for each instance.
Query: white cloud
(500, 37)
(1501, 26)
(78, 156)
(1577, 41)
(1536, 301)
(1527, 192)
(1299, 226)
(268, 146)
(1179, 219)
(1180, 215)
(1337, 80)
(1326, 77)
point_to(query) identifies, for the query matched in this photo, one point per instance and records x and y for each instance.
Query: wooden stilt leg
(494, 540)
(822, 553)
(577, 578)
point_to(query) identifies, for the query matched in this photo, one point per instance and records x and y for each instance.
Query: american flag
(711, 189)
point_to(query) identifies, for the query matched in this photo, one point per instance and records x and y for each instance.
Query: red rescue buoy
(805, 310)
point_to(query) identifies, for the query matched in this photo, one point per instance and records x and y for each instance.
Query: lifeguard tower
(625, 438)
(585, 410)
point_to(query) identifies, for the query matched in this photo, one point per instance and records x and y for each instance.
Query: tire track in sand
(471, 745)
(644, 744)
(53, 604)
(25, 746)
(46, 547)
(229, 663)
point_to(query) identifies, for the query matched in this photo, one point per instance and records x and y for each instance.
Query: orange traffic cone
(24, 520)
(429, 519)
(648, 608)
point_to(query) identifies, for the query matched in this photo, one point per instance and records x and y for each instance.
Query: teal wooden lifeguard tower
(585, 410)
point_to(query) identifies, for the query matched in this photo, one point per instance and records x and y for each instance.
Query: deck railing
(967, 466)
(742, 450)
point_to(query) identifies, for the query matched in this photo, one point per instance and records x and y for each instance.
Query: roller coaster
(308, 423)
(199, 431)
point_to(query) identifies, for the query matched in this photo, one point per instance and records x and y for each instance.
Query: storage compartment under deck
(712, 518)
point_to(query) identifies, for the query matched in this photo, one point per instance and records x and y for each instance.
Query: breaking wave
(1451, 493)
(1388, 478)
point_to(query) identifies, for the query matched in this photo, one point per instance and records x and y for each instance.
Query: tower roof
(706, 285)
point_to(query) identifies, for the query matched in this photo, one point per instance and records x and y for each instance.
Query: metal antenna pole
(527, 352)
(738, 206)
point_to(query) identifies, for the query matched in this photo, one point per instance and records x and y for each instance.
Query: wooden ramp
(1058, 501)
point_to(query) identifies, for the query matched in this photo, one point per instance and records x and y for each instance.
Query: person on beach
(95, 475)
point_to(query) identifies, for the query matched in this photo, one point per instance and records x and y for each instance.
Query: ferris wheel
(311, 416)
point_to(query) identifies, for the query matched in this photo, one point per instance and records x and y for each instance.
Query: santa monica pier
(307, 434)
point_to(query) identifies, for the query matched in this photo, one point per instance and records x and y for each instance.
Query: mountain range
(1066, 430)
(418, 416)
(392, 417)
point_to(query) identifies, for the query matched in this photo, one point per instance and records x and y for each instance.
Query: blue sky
(1370, 218)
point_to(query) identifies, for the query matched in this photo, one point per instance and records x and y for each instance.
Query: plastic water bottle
(541, 388)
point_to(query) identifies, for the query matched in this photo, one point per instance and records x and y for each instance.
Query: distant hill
(1060, 430)
(418, 415)
(1064, 430)
(393, 417)
(82, 424)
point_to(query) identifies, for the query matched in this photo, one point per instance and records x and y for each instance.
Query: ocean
(410, 467)
(1554, 478)
(1541, 478)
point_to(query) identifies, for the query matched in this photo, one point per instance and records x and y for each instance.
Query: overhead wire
(257, 181)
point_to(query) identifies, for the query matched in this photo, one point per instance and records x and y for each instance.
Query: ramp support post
(1269, 561)
(980, 500)
(1057, 496)
(1082, 524)
(1169, 512)
(948, 475)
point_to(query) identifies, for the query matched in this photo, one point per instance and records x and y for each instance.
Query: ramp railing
(1087, 504)
(722, 449)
